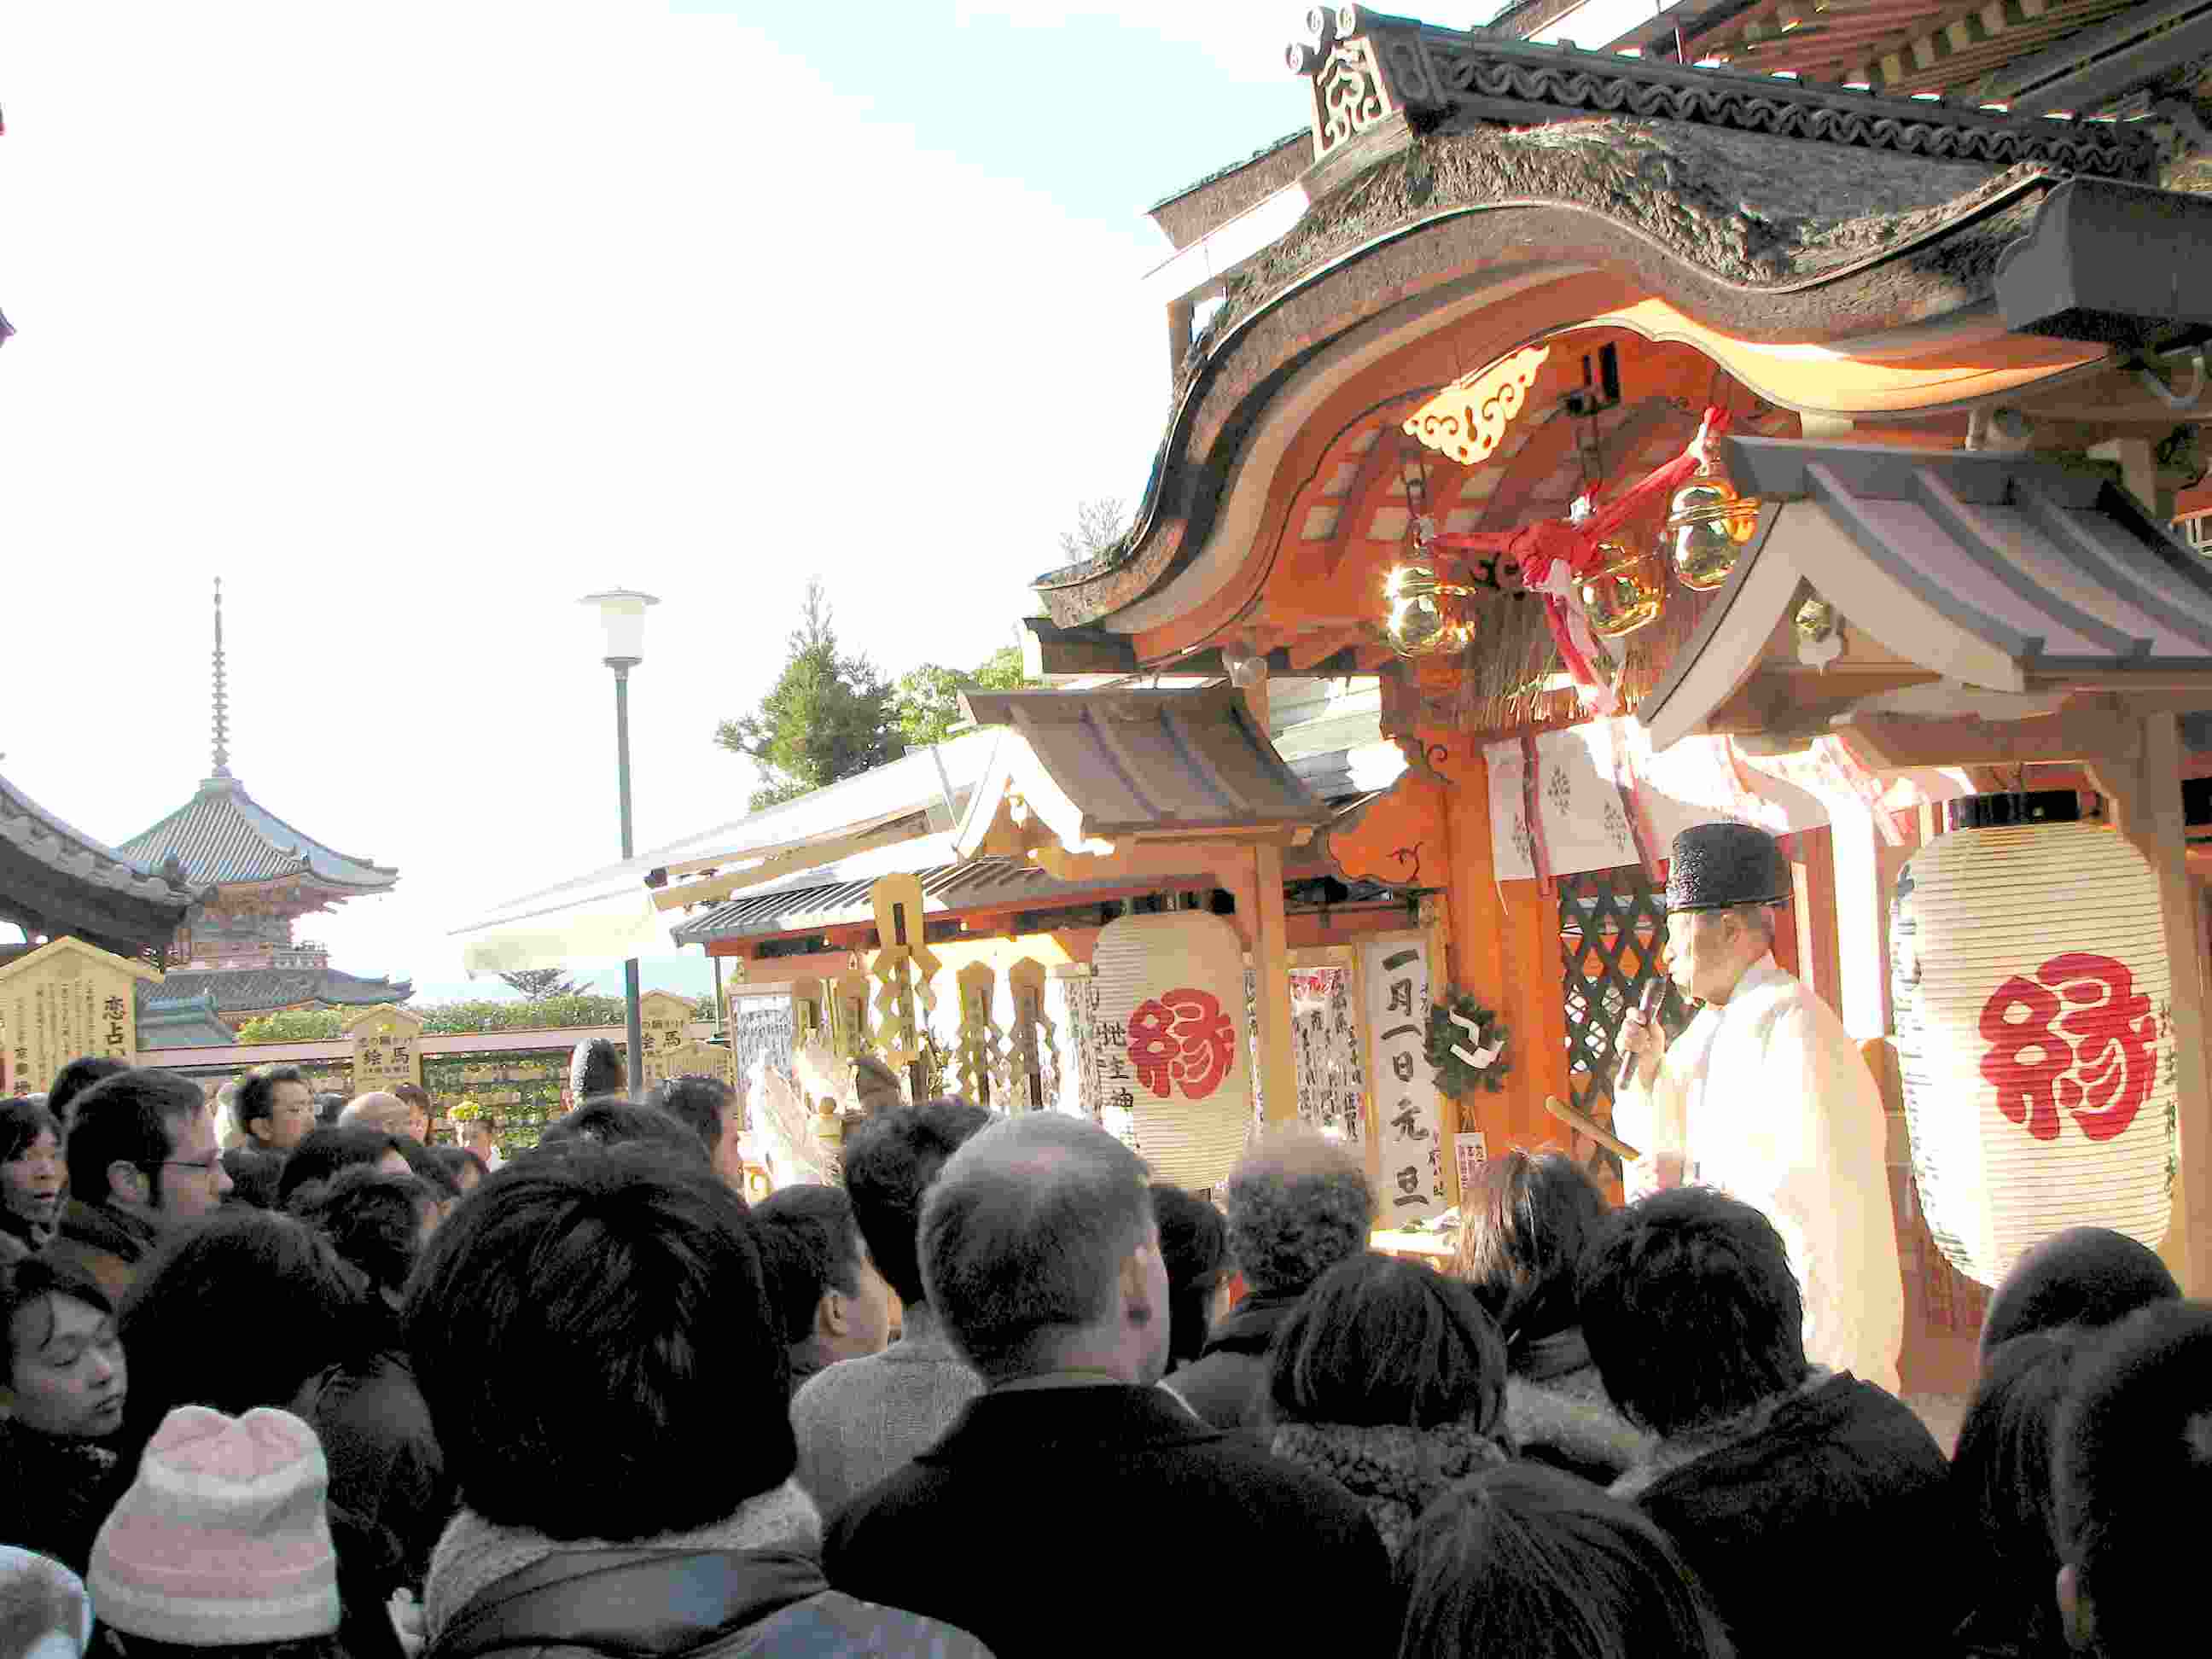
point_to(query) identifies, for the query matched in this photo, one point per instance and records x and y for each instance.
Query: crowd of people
(330, 1393)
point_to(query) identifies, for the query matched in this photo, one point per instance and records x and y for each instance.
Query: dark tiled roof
(236, 990)
(223, 835)
(70, 852)
(173, 1022)
(946, 889)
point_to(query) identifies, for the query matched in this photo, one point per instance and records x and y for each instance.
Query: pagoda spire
(222, 701)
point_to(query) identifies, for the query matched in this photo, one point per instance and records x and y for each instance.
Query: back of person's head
(128, 1117)
(1195, 1243)
(223, 1541)
(2001, 1475)
(612, 1120)
(328, 1106)
(1027, 1235)
(631, 1277)
(699, 1102)
(889, 1163)
(1378, 1342)
(1531, 1561)
(60, 1362)
(324, 1152)
(2086, 1276)
(1523, 1227)
(463, 1167)
(1690, 1310)
(429, 1169)
(74, 1079)
(1298, 1203)
(2133, 1462)
(239, 1311)
(373, 1220)
(595, 1068)
(44, 1611)
(809, 1244)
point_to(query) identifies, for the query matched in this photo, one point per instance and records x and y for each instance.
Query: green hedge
(453, 1018)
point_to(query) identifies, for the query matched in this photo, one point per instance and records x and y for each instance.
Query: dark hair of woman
(1377, 1341)
(323, 1152)
(1534, 1562)
(1195, 1240)
(1522, 1229)
(21, 1122)
(237, 1311)
(373, 1220)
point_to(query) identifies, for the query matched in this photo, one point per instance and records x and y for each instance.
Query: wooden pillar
(2145, 792)
(1861, 933)
(1813, 911)
(1532, 997)
(1271, 964)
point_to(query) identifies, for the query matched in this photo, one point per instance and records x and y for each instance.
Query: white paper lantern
(1169, 1036)
(2033, 1034)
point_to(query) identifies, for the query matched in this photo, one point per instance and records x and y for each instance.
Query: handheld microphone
(1647, 1005)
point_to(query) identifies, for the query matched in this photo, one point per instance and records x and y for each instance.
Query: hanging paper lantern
(1170, 1040)
(2032, 994)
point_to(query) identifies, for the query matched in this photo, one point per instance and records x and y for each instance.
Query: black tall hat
(1718, 866)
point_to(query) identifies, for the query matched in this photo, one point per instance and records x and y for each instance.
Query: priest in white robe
(1765, 1096)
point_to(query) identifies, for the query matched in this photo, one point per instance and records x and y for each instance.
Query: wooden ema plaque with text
(662, 1016)
(65, 1000)
(386, 1047)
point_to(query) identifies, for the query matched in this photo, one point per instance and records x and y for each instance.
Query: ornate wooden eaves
(1370, 72)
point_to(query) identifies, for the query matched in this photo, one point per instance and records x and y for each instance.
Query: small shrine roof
(1098, 766)
(175, 1022)
(240, 990)
(222, 834)
(1999, 573)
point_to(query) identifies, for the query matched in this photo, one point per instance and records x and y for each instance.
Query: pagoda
(259, 876)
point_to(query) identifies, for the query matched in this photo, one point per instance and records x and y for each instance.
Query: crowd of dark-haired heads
(595, 1400)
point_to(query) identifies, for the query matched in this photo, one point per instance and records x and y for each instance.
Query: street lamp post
(622, 618)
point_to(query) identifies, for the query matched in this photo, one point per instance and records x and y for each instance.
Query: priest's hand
(1641, 1036)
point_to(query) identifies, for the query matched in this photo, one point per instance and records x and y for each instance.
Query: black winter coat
(1107, 1501)
(1226, 1385)
(1797, 1529)
(385, 1466)
(647, 1603)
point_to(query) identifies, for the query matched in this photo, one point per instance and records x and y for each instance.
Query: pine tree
(925, 702)
(537, 984)
(827, 718)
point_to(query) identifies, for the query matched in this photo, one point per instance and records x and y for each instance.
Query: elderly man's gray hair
(1023, 1234)
(1298, 1203)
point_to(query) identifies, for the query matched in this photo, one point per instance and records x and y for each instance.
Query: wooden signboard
(697, 1060)
(386, 1051)
(662, 1016)
(65, 1000)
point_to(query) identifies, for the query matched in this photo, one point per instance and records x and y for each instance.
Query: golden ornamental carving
(1466, 420)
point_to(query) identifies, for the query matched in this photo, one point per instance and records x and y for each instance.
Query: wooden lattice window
(1613, 926)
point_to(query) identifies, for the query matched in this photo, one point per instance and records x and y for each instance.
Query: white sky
(416, 321)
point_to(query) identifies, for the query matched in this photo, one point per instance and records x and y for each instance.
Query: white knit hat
(222, 1541)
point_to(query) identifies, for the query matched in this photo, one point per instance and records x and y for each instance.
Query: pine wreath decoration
(1487, 1042)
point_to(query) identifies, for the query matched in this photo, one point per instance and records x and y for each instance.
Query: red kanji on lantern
(2095, 1043)
(1181, 1039)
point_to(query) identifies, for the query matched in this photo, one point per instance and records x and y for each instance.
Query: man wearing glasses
(142, 1160)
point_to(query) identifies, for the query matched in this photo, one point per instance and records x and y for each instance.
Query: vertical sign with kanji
(662, 1017)
(65, 1000)
(1409, 1125)
(1171, 1049)
(386, 1047)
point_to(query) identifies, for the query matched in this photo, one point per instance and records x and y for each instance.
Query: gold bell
(1425, 617)
(1708, 524)
(1626, 592)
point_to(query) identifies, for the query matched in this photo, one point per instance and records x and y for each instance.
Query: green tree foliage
(828, 717)
(453, 1018)
(925, 702)
(539, 983)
